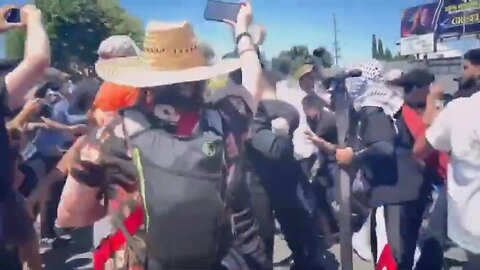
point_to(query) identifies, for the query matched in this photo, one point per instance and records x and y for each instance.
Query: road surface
(77, 255)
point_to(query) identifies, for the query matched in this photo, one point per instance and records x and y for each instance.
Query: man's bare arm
(422, 148)
(432, 110)
(250, 63)
(35, 62)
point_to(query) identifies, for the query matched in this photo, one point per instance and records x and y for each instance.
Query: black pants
(434, 238)
(9, 258)
(49, 213)
(263, 212)
(402, 223)
(306, 165)
(294, 205)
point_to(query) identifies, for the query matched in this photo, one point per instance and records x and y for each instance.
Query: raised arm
(35, 62)
(251, 67)
(432, 110)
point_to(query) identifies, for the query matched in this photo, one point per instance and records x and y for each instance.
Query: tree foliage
(287, 62)
(388, 55)
(374, 47)
(381, 52)
(76, 28)
(14, 44)
(326, 59)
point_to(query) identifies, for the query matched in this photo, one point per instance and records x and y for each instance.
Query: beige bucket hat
(171, 55)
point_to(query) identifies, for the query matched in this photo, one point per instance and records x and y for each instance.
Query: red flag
(437, 160)
(386, 261)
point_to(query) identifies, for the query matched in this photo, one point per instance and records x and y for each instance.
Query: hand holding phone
(9, 18)
(12, 15)
(221, 11)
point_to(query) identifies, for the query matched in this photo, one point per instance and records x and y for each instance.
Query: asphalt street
(77, 255)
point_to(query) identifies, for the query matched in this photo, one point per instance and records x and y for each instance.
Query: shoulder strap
(134, 122)
(212, 119)
(134, 245)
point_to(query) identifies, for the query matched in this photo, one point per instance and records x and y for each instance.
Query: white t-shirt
(290, 92)
(457, 130)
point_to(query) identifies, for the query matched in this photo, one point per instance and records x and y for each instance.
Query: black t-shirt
(325, 126)
(5, 183)
(274, 148)
(393, 179)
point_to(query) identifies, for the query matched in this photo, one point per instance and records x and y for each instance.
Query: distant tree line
(289, 61)
(380, 52)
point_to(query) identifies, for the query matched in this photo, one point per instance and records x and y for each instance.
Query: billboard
(458, 17)
(417, 29)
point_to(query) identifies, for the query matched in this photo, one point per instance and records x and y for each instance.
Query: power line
(336, 46)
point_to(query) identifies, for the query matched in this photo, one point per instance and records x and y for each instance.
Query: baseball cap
(113, 97)
(117, 47)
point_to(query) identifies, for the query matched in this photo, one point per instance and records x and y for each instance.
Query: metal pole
(336, 48)
(343, 187)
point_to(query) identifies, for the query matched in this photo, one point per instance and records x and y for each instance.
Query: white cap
(117, 47)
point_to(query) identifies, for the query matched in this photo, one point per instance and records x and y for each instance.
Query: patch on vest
(209, 149)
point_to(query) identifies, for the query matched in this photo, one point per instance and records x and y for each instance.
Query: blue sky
(290, 22)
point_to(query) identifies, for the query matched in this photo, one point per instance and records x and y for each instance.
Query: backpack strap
(212, 120)
(135, 122)
(135, 246)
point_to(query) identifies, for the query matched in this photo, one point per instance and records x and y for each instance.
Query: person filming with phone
(15, 82)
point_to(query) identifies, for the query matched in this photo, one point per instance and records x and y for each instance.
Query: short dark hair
(473, 56)
(415, 78)
(313, 101)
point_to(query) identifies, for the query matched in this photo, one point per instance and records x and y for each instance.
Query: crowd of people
(188, 177)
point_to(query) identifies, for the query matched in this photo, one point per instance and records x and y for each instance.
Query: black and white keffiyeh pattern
(371, 89)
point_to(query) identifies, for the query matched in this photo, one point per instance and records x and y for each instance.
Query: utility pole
(336, 47)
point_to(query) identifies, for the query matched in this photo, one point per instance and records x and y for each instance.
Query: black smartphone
(220, 11)
(12, 15)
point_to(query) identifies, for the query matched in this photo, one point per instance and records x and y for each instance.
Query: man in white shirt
(456, 130)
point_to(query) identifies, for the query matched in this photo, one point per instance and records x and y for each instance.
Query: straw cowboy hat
(171, 55)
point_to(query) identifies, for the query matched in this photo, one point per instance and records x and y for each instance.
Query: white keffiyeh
(371, 89)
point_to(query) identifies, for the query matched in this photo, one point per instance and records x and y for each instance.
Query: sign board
(417, 44)
(417, 29)
(458, 17)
